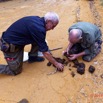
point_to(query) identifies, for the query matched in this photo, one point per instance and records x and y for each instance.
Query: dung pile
(91, 69)
(80, 66)
(62, 61)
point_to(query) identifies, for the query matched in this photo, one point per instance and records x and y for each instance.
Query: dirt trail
(33, 83)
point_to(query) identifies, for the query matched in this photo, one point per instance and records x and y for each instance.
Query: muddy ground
(33, 83)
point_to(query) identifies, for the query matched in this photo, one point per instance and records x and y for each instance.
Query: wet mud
(34, 83)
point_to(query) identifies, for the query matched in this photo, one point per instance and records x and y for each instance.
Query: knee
(87, 58)
(15, 67)
(16, 71)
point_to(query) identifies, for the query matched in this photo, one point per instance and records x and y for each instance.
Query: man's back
(25, 30)
(90, 33)
(88, 29)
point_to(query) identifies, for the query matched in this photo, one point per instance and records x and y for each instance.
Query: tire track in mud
(78, 14)
(96, 16)
(97, 19)
(97, 83)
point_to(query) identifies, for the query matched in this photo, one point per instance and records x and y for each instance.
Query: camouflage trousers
(95, 50)
(15, 60)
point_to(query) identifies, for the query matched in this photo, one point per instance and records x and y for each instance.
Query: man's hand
(73, 57)
(59, 66)
(64, 52)
(48, 56)
(67, 49)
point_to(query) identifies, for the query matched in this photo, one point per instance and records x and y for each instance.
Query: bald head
(75, 35)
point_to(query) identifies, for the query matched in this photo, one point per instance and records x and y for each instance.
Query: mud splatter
(73, 74)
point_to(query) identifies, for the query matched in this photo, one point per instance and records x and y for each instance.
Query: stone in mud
(49, 64)
(73, 74)
(24, 101)
(91, 69)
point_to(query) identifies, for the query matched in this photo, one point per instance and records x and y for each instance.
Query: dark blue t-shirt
(27, 30)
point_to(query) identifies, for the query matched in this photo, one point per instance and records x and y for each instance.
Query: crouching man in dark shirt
(27, 30)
